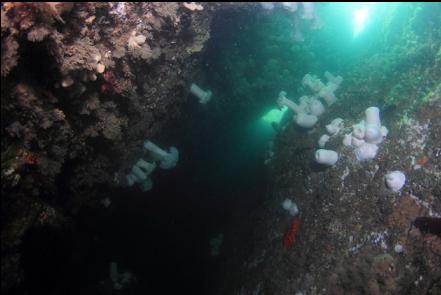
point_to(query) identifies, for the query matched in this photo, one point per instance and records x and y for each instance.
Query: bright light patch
(359, 19)
(274, 115)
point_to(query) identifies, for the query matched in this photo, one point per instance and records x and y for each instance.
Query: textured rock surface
(350, 221)
(79, 96)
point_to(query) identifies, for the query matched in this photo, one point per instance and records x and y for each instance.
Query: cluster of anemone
(141, 171)
(310, 108)
(328, 157)
(366, 135)
(140, 174)
(324, 91)
(364, 138)
(306, 112)
(333, 129)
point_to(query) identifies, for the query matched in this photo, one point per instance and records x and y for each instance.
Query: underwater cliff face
(233, 99)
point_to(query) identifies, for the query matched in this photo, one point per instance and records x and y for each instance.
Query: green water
(252, 55)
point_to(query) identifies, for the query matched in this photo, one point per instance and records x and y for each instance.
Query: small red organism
(108, 76)
(105, 88)
(291, 234)
(30, 158)
(114, 84)
(109, 85)
(423, 161)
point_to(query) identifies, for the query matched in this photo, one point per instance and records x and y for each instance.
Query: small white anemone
(335, 126)
(291, 207)
(395, 180)
(366, 151)
(140, 174)
(347, 140)
(204, 96)
(167, 159)
(306, 120)
(326, 157)
(323, 140)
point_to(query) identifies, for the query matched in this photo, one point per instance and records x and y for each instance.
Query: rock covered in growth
(89, 71)
(350, 222)
(193, 6)
(9, 54)
(32, 20)
(74, 79)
